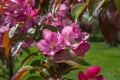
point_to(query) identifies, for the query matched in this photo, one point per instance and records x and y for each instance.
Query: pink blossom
(21, 11)
(81, 48)
(91, 74)
(3, 27)
(70, 33)
(52, 42)
(48, 19)
(24, 3)
(30, 18)
(58, 22)
(63, 10)
(10, 18)
(84, 35)
(59, 19)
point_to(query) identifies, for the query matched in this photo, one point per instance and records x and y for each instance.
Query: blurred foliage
(95, 33)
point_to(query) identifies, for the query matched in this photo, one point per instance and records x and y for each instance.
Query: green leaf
(22, 71)
(35, 78)
(44, 75)
(105, 5)
(18, 75)
(36, 63)
(72, 63)
(117, 3)
(93, 6)
(75, 67)
(77, 10)
(27, 59)
(52, 28)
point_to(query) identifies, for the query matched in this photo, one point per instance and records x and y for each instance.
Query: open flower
(70, 33)
(52, 42)
(91, 74)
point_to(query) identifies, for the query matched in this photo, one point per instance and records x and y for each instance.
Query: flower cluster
(68, 34)
(21, 12)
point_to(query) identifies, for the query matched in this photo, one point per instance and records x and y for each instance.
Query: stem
(10, 66)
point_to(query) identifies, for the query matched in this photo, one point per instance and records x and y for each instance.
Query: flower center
(53, 46)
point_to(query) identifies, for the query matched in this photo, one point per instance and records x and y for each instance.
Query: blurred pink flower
(63, 10)
(89, 24)
(84, 35)
(91, 74)
(52, 42)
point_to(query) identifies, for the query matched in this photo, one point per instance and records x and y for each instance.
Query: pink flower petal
(92, 71)
(43, 46)
(81, 76)
(100, 77)
(81, 48)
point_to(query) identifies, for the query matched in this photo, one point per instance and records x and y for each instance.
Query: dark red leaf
(108, 29)
(114, 14)
(68, 57)
(109, 21)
